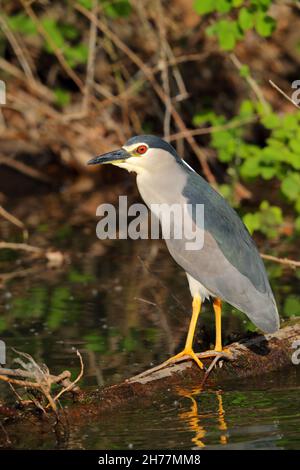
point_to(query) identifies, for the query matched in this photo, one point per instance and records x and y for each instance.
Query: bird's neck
(163, 183)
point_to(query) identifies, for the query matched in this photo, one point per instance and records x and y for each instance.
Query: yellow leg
(188, 349)
(218, 313)
(218, 345)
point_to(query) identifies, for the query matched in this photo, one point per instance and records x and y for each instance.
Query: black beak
(111, 157)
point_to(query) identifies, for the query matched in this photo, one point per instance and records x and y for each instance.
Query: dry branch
(40, 380)
(13, 220)
(284, 94)
(286, 261)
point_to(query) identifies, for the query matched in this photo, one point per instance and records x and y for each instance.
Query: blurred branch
(17, 49)
(164, 68)
(34, 86)
(284, 94)
(251, 82)
(212, 129)
(21, 246)
(91, 61)
(13, 220)
(290, 262)
(71, 386)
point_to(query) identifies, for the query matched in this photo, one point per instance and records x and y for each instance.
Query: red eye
(142, 149)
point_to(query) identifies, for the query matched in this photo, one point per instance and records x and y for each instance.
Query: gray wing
(229, 264)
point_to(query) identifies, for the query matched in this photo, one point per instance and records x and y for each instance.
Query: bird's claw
(184, 355)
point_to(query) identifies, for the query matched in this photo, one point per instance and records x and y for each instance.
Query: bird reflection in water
(195, 420)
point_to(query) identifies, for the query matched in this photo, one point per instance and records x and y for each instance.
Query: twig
(164, 68)
(5, 277)
(21, 246)
(289, 262)
(17, 49)
(63, 377)
(212, 129)
(251, 82)
(43, 380)
(284, 94)
(34, 86)
(71, 386)
(212, 365)
(91, 60)
(22, 383)
(13, 220)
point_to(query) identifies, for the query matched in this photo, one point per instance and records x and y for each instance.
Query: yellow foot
(184, 354)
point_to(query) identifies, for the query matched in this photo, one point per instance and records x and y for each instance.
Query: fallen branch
(40, 380)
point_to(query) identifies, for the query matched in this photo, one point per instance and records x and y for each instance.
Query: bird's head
(143, 152)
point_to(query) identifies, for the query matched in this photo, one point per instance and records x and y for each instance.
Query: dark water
(126, 306)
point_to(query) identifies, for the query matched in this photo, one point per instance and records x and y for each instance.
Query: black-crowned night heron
(228, 267)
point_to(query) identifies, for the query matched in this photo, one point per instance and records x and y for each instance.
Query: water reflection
(195, 420)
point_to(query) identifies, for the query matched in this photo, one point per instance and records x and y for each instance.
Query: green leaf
(117, 9)
(295, 146)
(251, 167)
(292, 306)
(202, 7)
(207, 117)
(227, 33)
(21, 23)
(297, 205)
(297, 224)
(76, 54)
(271, 121)
(69, 31)
(290, 122)
(252, 221)
(245, 19)
(51, 26)
(290, 186)
(223, 6)
(268, 172)
(88, 4)
(264, 24)
(246, 108)
(62, 97)
(244, 71)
